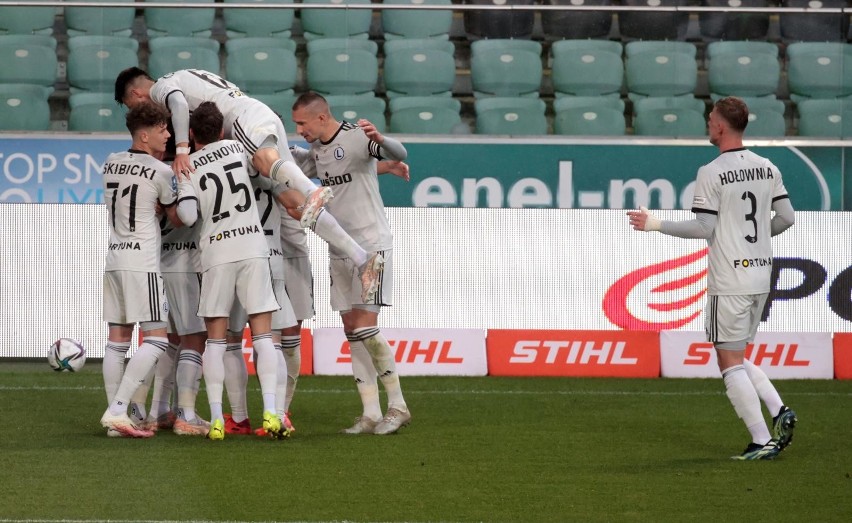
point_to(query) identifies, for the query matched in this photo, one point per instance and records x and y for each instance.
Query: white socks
(137, 372)
(292, 349)
(214, 376)
(288, 173)
(329, 230)
(764, 388)
(266, 365)
(188, 378)
(382, 356)
(365, 379)
(164, 382)
(236, 380)
(113, 366)
(746, 403)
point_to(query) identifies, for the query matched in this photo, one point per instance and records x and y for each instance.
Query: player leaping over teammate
(262, 134)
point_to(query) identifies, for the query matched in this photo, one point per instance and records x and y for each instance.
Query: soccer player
(261, 133)
(735, 197)
(345, 155)
(234, 259)
(135, 182)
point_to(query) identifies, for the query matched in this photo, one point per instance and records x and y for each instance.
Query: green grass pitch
(478, 449)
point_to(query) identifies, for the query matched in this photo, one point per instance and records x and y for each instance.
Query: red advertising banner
(843, 355)
(626, 354)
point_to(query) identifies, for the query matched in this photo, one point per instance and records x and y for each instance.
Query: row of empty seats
(399, 23)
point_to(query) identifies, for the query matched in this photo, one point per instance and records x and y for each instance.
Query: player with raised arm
(346, 155)
(135, 183)
(261, 133)
(735, 197)
(234, 260)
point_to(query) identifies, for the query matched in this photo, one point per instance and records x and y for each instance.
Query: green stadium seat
(282, 103)
(92, 112)
(661, 69)
(506, 68)
(95, 61)
(342, 66)
(262, 64)
(27, 20)
(352, 108)
(589, 116)
(24, 107)
(173, 53)
(510, 116)
(115, 21)
(765, 118)
(425, 115)
(28, 59)
(258, 22)
(743, 68)
(669, 117)
(825, 118)
(164, 21)
(587, 67)
(819, 70)
(336, 23)
(419, 23)
(419, 67)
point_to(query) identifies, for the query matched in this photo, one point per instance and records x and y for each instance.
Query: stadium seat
(262, 64)
(164, 21)
(173, 53)
(501, 67)
(419, 67)
(24, 107)
(731, 25)
(95, 61)
(743, 68)
(825, 118)
(819, 70)
(511, 116)
(342, 66)
(26, 20)
(336, 23)
(282, 103)
(576, 24)
(352, 108)
(499, 23)
(96, 112)
(115, 21)
(653, 25)
(765, 118)
(660, 68)
(416, 23)
(587, 67)
(425, 115)
(258, 22)
(589, 116)
(28, 59)
(669, 117)
(813, 27)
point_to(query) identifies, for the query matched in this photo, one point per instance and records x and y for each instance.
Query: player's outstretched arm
(179, 108)
(643, 220)
(396, 168)
(391, 149)
(784, 217)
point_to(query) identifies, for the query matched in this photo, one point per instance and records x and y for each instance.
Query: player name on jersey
(217, 154)
(130, 169)
(746, 175)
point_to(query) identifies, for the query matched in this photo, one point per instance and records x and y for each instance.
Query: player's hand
(397, 168)
(643, 220)
(371, 131)
(182, 167)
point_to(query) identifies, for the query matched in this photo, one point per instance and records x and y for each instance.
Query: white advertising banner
(418, 352)
(782, 355)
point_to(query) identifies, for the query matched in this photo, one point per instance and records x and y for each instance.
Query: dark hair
(206, 123)
(309, 98)
(734, 110)
(145, 116)
(125, 78)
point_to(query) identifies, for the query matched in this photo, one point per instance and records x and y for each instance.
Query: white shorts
(735, 318)
(133, 297)
(346, 284)
(249, 281)
(281, 319)
(300, 286)
(259, 126)
(183, 291)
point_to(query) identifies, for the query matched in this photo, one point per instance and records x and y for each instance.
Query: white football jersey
(180, 248)
(270, 212)
(230, 225)
(134, 182)
(347, 164)
(739, 188)
(200, 86)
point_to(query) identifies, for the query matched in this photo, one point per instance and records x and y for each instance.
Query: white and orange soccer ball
(66, 354)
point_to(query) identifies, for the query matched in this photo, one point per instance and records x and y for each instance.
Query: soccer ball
(66, 354)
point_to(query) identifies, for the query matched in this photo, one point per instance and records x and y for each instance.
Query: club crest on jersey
(338, 153)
